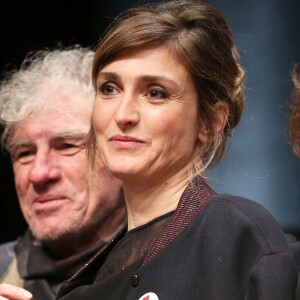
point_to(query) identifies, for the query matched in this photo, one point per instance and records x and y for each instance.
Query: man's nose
(44, 169)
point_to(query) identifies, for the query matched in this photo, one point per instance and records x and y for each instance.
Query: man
(45, 109)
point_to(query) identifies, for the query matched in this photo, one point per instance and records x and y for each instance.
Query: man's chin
(46, 232)
(46, 236)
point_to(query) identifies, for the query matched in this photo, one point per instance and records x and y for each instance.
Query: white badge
(149, 296)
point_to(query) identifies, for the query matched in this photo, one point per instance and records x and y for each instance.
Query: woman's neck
(149, 200)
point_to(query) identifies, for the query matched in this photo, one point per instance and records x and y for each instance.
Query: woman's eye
(107, 89)
(157, 93)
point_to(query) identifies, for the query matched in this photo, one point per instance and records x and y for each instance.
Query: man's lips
(48, 203)
(44, 199)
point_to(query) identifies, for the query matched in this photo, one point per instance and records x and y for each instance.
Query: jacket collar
(191, 201)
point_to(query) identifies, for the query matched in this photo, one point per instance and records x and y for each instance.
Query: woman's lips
(125, 142)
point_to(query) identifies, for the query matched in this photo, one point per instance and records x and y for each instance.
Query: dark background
(259, 165)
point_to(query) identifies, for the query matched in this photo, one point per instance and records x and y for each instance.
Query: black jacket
(295, 248)
(36, 269)
(223, 248)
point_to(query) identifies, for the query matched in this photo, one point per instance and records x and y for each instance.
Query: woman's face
(145, 115)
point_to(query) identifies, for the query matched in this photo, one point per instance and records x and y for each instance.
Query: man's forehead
(51, 125)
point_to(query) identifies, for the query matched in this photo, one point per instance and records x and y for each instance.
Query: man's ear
(221, 111)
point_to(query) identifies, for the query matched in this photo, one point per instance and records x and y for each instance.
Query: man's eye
(23, 157)
(69, 148)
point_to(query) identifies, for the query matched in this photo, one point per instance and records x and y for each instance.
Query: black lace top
(114, 277)
(132, 247)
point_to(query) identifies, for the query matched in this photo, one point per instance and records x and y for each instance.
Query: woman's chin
(126, 174)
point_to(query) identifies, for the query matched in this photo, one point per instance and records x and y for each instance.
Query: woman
(169, 93)
(294, 131)
(294, 120)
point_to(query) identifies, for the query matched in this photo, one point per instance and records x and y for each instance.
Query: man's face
(50, 168)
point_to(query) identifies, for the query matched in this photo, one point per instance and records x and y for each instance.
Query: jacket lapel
(194, 197)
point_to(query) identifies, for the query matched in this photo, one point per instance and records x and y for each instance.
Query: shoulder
(239, 206)
(241, 218)
(7, 253)
(7, 249)
(295, 249)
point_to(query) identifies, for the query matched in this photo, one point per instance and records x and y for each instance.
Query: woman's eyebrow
(146, 78)
(150, 78)
(108, 75)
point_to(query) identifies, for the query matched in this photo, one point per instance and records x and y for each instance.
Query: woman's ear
(221, 112)
(203, 134)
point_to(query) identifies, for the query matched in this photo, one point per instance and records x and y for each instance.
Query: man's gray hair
(19, 91)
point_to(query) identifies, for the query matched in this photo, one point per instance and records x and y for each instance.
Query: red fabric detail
(192, 200)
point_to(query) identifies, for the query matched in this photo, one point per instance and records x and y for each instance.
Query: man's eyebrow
(70, 135)
(66, 135)
(19, 143)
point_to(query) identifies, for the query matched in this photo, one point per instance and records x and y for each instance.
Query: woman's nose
(127, 114)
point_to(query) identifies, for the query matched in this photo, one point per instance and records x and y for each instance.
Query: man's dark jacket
(28, 264)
